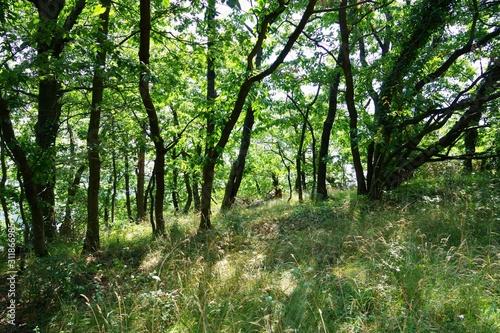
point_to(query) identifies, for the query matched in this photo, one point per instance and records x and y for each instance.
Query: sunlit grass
(427, 259)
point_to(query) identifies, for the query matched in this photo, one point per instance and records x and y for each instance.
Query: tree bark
(50, 45)
(155, 132)
(349, 98)
(139, 197)
(66, 229)
(238, 166)
(128, 200)
(322, 192)
(27, 174)
(210, 153)
(91, 243)
(3, 181)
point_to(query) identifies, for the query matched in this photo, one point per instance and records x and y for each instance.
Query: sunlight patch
(150, 261)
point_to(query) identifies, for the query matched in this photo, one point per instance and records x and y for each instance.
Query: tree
(8, 136)
(154, 125)
(50, 44)
(213, 151)
(92, 239)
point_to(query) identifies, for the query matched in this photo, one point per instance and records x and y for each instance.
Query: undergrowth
(425, 259)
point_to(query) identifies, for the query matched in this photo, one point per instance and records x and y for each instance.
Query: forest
(250, 165)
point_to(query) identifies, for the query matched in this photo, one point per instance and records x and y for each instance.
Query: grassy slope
(427, 259)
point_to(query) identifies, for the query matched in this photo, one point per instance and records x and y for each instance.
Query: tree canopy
(127, 109)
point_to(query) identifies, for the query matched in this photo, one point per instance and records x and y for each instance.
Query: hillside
(426, 259)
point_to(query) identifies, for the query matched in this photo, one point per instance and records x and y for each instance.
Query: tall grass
(426, 259)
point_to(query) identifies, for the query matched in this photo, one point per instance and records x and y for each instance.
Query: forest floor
(426, 259)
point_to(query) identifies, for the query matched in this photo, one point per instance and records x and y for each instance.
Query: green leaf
(98, 10)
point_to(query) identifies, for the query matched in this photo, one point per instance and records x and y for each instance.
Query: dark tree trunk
(175, 194)
(114, 182)
(66, 228)
(299, 184)
(210, 153)
(150, 189)
(92, 240)
(322, 192)
(27, 174)
(196, 195)
(189, 192)
(139, 197)
(27, 234)
(127, 189)
(349, 98)
(155, 132)
(50, 45)
(470, 140)
(238, 166)
(3, 181)
(47, 126)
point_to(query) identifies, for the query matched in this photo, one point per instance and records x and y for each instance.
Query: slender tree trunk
(27, 235)
(175, 194)
(27, 174)
(127, 190)
(314, 161)
(349, 97)
(298, 161)
(114, 181)
(238, 166)
(470, 140)
(196, 195)
(189, 192)
(210, 154)
(325, 137)
(155, 132)
(66, 228)
(139, 197)
(3, 181)
(150, 189)
(92, 240)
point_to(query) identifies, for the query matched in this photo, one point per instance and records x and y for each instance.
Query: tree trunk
(299, 184)
(349, 98)
(66, 229)
(27, 174)
(470, 140)
(196, 195)
(189, 192)
(322, 191)
(127, 190)
(3, 181)
(92, 240)
(155, 132)
(210, 154)
(175, 194)
(238, 166)
(50, 44)
(115, 180)
(139, 196)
